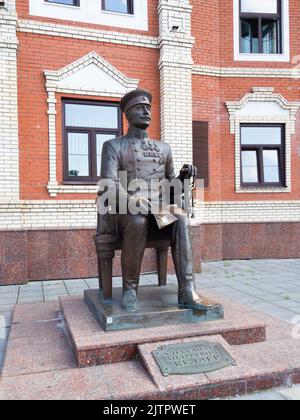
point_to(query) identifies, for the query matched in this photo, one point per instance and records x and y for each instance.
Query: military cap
(135, 97)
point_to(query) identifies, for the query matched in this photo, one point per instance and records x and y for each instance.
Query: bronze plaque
(192, 358)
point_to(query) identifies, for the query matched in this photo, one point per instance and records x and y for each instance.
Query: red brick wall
(38, 53)
(209, 97)
(213, 30)
(212, 27)
(205, 29)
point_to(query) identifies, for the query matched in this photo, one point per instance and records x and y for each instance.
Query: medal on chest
(150, 149)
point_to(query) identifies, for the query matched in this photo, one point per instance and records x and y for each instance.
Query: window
(260, 27)
(119, 6)
(200, 150)
(87, 125)
(66, 2)
(262, 155)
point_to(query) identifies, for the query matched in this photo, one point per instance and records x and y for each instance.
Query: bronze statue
(147, 159)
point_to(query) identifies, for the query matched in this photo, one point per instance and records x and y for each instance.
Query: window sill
(80, 183)
(109, 12)
(283, 58)
(263, 190)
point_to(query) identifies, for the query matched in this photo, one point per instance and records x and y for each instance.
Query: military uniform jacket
(140, 158)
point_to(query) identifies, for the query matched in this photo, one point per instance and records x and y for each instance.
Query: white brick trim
(9, 141)
(55, 83)
(175, 66)
(72, 214)
(55, 189)
(266, 95)
(248, 212)
(48, 214)
(246, 72)
(88, 34)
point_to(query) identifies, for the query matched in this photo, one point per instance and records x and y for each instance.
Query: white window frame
(267, 107)
(90, 11)
(282, 57)
(91, 75)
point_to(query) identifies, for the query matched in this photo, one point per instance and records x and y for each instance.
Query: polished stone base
(93, 346)
(119, 365)
(157, 306)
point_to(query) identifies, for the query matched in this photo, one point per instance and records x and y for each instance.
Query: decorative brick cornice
(78, 32)
(252, 72)
(263, 94)
(175, 5)
(54, 77)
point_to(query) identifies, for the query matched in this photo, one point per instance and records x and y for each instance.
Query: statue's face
(139, 116)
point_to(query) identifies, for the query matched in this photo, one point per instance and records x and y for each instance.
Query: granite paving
(269, 286)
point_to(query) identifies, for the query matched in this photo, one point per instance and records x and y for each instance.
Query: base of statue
(157, 306)
(123, 365)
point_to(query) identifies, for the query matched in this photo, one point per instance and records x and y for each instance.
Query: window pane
(68, 2)
(78, 148)
(271, 166)
(249, 36)
(91, 116)
(261, 135)
(258, 6)
(120, 6)
(100, 140)
(270, 36)
(249, 166)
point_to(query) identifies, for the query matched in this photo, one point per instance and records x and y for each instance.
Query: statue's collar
(137, 133)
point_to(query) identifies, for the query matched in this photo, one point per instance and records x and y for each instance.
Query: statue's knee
(139, 224)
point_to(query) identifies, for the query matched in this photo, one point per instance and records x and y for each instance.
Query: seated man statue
(144, 159)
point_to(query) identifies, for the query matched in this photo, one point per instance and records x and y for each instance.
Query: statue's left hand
(188, 171)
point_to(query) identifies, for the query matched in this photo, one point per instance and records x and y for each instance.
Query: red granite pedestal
(40, 364)
(92, 346)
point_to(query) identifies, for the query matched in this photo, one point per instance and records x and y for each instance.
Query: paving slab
(261, 396)
(7, 300)
(35, 312)
(53, 298)
(42, 350)
(9, 289)
(6, 318)
(1, 363)
(31, 299)
(75, 283)
(292, 394)
(111, 382)
(92, 283)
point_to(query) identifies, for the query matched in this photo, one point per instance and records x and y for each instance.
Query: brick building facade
(222, 73)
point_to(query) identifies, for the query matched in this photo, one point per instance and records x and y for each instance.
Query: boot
(129, 300)
(189, 298)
